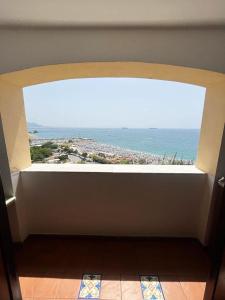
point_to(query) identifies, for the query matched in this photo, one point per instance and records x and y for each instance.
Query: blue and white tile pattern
(151, 288)
(90, 286)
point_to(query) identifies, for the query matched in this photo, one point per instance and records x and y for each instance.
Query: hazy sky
(115, 102)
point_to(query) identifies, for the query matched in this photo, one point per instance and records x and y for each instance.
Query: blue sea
(183, 142)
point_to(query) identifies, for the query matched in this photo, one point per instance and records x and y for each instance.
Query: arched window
(114, 121)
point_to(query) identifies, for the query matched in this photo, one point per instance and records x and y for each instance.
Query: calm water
(184, 142)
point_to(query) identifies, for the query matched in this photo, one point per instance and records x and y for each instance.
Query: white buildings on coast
(81, 150)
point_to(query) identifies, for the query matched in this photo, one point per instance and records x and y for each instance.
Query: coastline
(85, 150)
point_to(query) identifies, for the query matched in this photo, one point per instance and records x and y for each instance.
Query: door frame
(215, 288)
(12, 288)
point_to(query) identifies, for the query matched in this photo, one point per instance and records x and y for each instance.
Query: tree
(63, 157)
(50, 145)
(84, 154)
(67, 149)
(100, 160)
(38, 154)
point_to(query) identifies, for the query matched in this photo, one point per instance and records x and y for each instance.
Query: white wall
(112, 203)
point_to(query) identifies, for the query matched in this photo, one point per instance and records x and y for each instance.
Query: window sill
(97, 168)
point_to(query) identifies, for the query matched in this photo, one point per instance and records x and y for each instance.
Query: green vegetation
(84, 154)
(100, 160)
(38, 154)
(174, 161)
(63, 157)
(125, 162)
(67, 149)
(50, 145)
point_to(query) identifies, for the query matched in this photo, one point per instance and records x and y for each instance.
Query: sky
(115, 103)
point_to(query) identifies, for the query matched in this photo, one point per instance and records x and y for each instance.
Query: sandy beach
(108, 153)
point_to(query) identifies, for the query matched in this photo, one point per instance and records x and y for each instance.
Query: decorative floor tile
(90, 286)
(151, 288)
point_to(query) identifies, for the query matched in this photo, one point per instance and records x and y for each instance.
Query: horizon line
(120, 127)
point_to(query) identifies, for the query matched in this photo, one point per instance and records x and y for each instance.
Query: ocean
(183, 142)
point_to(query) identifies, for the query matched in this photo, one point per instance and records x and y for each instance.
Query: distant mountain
(32, 125)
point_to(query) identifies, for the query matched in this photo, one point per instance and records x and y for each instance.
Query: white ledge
(97, 168)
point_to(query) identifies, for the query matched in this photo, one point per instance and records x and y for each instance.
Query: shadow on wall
(4, 163)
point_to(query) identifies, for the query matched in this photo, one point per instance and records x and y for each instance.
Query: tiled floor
(52, 268)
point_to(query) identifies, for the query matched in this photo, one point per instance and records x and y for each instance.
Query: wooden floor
(52, 267)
